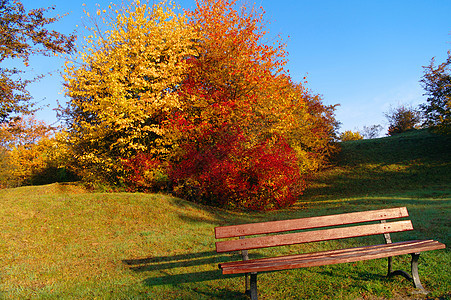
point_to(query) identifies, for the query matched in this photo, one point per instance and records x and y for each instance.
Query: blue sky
(364, 55)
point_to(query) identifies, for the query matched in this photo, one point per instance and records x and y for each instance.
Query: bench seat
(329, 257)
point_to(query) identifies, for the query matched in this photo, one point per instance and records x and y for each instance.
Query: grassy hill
(416, 161)
(59, 241)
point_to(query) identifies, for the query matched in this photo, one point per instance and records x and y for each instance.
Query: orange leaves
(233, 58)
(234, 104)
(203, 93)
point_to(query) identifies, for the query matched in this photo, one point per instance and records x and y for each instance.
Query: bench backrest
(312, 235)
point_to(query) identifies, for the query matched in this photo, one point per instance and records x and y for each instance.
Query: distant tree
(371, 132)
(23, 34)
(21, 150)
(349, 135)
(23, 132)
(437, 83)
(402, 118)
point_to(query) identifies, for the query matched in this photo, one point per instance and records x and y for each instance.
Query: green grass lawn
(60, 242)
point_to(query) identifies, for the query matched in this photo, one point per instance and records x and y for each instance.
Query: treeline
(199, 103)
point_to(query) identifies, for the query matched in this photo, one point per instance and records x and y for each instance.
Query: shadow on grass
(163, 264)
(215, 293)
(189, 278)
(220, 216)
(156, 263)
(160, 263)
(356, 275)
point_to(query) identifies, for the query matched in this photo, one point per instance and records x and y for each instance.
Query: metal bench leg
(247, 284)
(415, 276)
(253, 290)
(389, 266)
(397, 272)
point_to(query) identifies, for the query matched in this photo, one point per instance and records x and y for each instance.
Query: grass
(60, 242)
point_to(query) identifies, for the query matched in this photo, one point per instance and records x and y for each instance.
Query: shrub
(30, 153)
(144, 172)
(7, 178)
(348, 135)
(38, 163)
(24, 145)
(224, 172)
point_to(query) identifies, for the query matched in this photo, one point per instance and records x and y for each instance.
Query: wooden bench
(321, 233)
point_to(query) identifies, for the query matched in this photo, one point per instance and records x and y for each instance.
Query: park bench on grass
(320, 233)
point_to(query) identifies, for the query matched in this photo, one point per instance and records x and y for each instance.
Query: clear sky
(364, 55)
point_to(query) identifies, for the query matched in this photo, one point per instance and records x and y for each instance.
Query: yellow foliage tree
(27, 148)
(124, 88)
(349, 135)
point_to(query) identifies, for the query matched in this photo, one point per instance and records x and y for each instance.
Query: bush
(227, 174)
(30, 153)
(348, 135)
(144, 172)
(7, 178)
(25, 149)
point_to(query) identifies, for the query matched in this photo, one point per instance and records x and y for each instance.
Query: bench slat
(321, 253)
(330, 257)
(308, 223)
(312, 236)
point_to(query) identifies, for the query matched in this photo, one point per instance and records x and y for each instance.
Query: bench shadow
(162, 263)
(192, 277)
(154, 263)
(356, 275)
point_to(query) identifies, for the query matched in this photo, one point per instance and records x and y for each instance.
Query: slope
(59, 241)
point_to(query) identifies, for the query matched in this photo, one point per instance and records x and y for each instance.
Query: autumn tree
(239, 78)
(23, 34)
(233, 70)
(30, 153)
(237, 87)
(437, 84)
(402, 118)
(350, 135)
(124, 88)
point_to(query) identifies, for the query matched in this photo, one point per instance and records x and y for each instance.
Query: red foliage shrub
(220, 170)
(143, 172)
